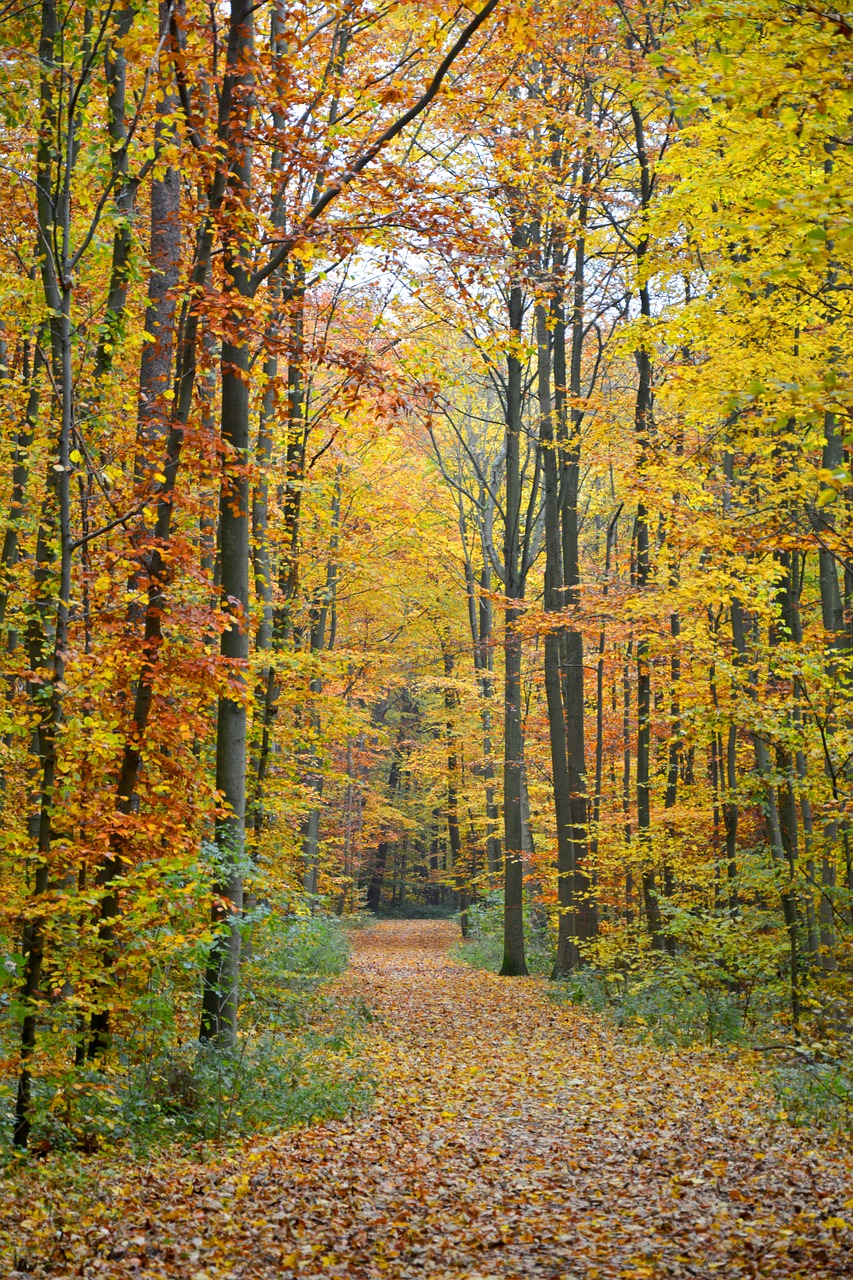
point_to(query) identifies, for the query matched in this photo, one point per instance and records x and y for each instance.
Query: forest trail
(511, 1138)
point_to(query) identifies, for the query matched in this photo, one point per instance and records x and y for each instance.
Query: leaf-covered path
(511, 1137)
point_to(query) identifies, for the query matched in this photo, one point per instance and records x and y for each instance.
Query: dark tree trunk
(513, 958)
(569, 419)
(773, 824)
(838, 636)
(454, 838)
(374, 888)
(373, 897)
(115, 67)
(480, 623)
(643, 428)
(221, 981)
(487, 685)
(48, 632)
(599, 691)
(568, 956)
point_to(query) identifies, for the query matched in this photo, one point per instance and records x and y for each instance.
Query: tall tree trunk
(48, 637)
(453, 834)
(33, 372)
(152, 437)
(153, 547)
(782, 858)
(513, 958)
(569, 414)
(568, 956)
(221, 982)
(164, 258)
(599, 689)
(374, 886)
(487, 687)
(273, 623)
(626, 775)
(480, 624)
(643, 428)
(838, 636)
(322, 611)
(726, 759)
(115, 66)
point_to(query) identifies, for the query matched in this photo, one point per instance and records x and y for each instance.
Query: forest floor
(511, 1137)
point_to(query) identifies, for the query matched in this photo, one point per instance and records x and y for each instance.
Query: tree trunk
(838, 636)
(221, 982)
(782, 858)
(374, 886)
(453, 833)
(643, 428)
(569, 415)
(568, 956)
(480, 623)
(48, 637)
(513, 958)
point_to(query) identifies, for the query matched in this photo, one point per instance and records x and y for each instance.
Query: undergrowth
(722, 983)
(814, 1092)
(415, 910)
(483, 947)
(298, 1059)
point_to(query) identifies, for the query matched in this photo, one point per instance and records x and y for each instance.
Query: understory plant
(483, 945)
(298, 1057)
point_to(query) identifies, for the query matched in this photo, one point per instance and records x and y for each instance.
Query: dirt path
(510, 1138)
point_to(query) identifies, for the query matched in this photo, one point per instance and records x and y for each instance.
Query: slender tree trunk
(782, 858)
(33, 371)
(487, 686)
(49, 629)
(453, 833)
(156, 364)
(322, 611)
(838, 636)
(152, 550)
(643, 428)
(221, 982)
(569, 416)
(115, 66)
(480, 623)
(270, 633)
(291, 499)
(374, 886)
(513, 958)
(727, 784)
(644, 730)
(599, 690)
(568, 955)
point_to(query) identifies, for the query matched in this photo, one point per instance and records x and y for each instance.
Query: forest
(427, 512)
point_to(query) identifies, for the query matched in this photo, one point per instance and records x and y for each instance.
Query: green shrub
(288, 958)
(299, 1057)
(265, 1084)
(723, 979)
(483, 947)
(814, 1092)
(665, 1006)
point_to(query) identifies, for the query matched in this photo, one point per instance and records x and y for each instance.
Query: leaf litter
(510, 1137)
